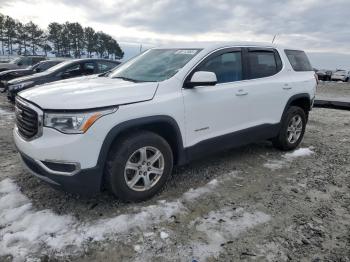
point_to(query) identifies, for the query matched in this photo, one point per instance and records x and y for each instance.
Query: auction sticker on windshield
(186, 52)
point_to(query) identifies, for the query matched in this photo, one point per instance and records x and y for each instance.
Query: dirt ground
(253, 203)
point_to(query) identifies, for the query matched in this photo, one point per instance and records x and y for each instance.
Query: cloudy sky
(322, 28)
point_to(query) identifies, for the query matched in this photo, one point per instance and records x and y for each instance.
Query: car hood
(8, 66)
(15, 71)
(89, 92)
(23, 79)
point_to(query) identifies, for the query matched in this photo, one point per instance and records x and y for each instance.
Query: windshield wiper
(127, 79)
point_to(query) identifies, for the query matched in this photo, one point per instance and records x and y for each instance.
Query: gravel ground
(247, 204)
(334, 90)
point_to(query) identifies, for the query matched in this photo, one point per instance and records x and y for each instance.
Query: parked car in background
(64, 70)
(340, 75)
(324, 75)
(21, 62)
(42, 66)
(168, 106)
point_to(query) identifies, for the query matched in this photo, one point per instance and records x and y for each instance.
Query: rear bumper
(84, 182)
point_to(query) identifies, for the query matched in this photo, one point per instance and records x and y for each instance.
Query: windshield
(59, 66)
(155, 65)
(15, 61)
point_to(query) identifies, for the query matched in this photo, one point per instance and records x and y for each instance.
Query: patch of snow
(6, 116)
(272, 252)
(25, 231)
(299, 153)
(148, 234)
(5, 112)
(287, 158)
(192, 194)
(164, 235)
(222, 226)
(137, 248)
(274, 164)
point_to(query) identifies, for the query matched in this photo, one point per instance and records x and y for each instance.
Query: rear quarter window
(299, 61)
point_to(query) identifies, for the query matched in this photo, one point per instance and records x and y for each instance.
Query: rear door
(266, 87)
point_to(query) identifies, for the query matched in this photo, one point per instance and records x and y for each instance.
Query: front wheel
(139, 166)
(292, 129)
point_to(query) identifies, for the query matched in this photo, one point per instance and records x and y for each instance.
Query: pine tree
(35, 35)
(54, 35)
(90, 40)
(10, 33)
(2, 29)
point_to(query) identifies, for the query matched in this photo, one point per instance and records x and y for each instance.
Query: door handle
(241, 92)
(286, 87)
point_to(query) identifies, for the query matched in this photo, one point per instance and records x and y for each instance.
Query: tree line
(62, 40)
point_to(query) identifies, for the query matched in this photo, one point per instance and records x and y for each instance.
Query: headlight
(75, 123)
(20, 86)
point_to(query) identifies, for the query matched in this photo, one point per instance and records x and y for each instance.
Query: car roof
(91, 59)
(217, 45)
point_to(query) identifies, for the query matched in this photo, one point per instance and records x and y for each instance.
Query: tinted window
(104, 66)
(298, 60)
(261, 64)
(88, 68)
(227, 67)
(25, 61)
(74, 70)
(36, 60)
(44, 66)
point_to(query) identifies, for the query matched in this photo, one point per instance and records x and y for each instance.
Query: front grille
(26, 120)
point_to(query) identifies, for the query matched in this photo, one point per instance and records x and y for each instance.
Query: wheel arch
(302, 100)
(162, 125)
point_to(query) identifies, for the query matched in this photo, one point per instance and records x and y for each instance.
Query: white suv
(125, 130)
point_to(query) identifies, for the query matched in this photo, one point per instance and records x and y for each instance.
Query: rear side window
(227, 67)
(262, 63)
(298, 60)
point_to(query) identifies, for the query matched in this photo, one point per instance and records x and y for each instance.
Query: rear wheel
(139, 166)
(292, 129)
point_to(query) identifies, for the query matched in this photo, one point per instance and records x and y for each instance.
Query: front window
(227, 67)
(16, 60)
(59, 66)
(155, 65)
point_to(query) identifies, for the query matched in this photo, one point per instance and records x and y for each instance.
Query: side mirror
(19, 63)
(202, 78)
(37, 70)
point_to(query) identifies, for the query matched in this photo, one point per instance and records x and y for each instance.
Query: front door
(212, 111)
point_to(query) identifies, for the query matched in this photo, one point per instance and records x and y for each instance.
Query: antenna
(274, 37)
(140, 48)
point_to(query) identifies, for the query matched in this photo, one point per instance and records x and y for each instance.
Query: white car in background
(340, 75)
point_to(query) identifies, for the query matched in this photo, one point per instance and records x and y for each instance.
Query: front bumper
(84, 182)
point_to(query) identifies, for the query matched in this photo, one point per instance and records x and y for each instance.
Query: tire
(126, 161)
(283, 141)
